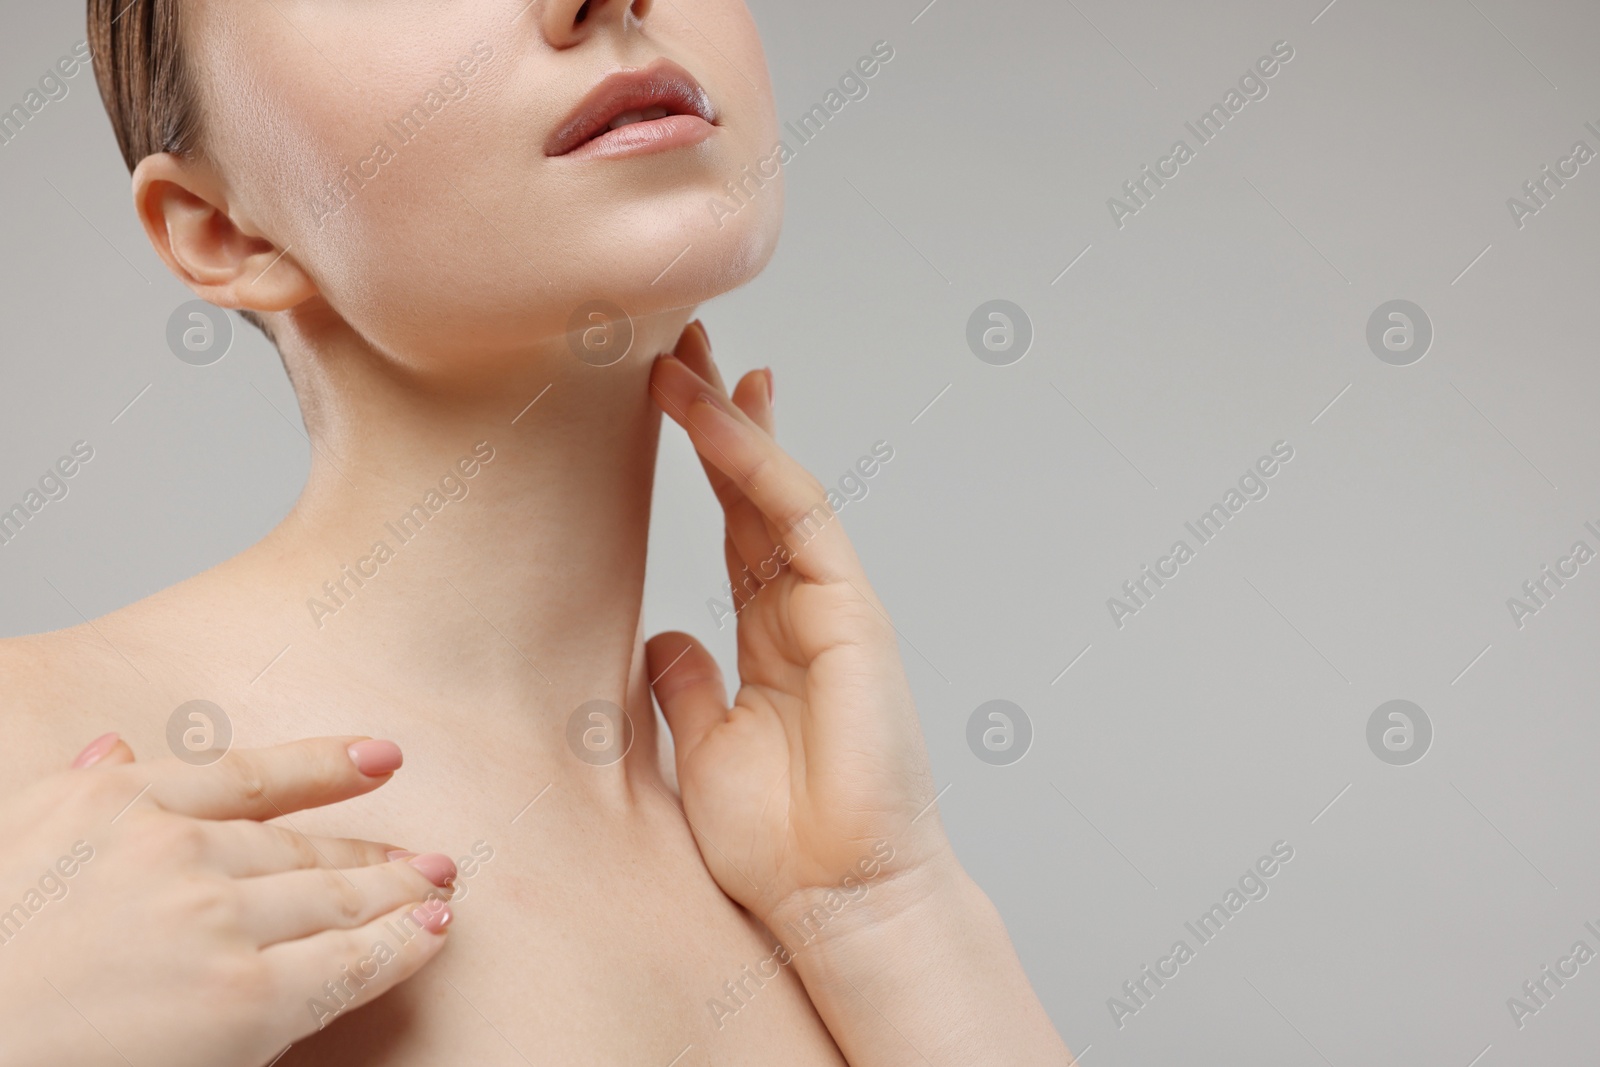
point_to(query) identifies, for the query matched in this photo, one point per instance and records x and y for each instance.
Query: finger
(264, 783)
(744, 581)
(746, 526)
(285, 907)
(688, 685)
(105, 750)
(362, 963)
(694, 348)
(791, 500)
(754, 548)
(120, 754)
(753, 394)
(242, 848)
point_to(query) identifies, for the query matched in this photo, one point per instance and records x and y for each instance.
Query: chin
(692, 259)
(474, 294)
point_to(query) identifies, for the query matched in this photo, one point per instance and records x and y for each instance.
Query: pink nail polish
(435, 867)
(376, 758)
(95, 751)
(433, 917)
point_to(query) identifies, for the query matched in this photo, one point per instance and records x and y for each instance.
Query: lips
(635, 111)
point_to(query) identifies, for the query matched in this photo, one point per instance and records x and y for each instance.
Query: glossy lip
(690, 119)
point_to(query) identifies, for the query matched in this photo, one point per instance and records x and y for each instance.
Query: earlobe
(186, 217)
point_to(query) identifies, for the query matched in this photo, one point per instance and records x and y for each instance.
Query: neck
(478, 541)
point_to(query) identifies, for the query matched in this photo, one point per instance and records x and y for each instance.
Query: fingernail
(435, 867)
(95, 751)
(703, 332)
(398, 854)
(433, 917)
(376, 758)
(768, 372)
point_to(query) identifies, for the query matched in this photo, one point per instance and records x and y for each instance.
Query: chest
(581, 937)
(599, 963)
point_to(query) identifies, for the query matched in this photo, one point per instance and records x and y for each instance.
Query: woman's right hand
(147, 916)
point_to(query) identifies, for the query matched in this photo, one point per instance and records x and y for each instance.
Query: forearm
(920, 971)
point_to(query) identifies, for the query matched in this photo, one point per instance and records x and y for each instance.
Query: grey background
(1222, 318)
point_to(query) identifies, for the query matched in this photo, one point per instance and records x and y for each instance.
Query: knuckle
(368, 853)
(207, 903)
(406, 883)
(807, 517)
(751, 471)
(245, 776)
(321, 765)
(298, 848)
(348, 904)
(174, 839)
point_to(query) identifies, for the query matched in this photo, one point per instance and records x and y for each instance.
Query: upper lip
(662, 84)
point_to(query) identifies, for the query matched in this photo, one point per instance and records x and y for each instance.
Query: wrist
(905, 902)
(922, 946)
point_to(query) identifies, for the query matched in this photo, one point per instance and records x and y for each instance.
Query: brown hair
(146, 85)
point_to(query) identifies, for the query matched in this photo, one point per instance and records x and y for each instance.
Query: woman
(469, 227)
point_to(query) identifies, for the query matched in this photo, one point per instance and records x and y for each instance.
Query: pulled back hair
(146, 84)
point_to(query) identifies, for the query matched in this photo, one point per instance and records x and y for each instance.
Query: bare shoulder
(58, 692)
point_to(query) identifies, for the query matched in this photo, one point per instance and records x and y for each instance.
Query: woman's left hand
(811, 797)
(816, 777)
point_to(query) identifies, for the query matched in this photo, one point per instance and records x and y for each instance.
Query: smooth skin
(157, 920)
(818, 765)
(427, 317)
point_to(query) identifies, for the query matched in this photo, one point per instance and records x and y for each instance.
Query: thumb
(688, 686)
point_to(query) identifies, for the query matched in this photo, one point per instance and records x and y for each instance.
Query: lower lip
(645, 138)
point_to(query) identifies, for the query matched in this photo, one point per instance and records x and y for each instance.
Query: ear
(186, 215)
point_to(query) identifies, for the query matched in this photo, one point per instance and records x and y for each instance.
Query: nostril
(583, 13)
